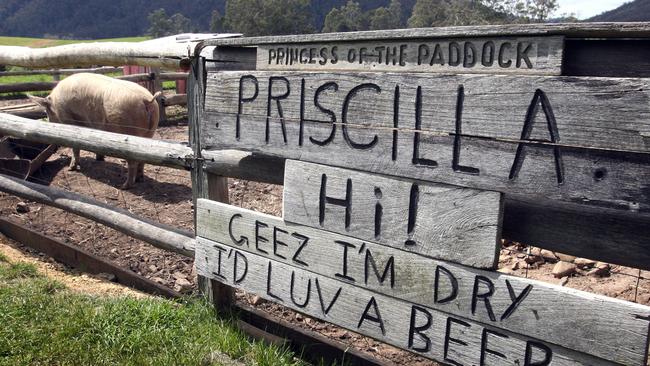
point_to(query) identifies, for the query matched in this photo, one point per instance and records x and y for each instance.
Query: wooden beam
(396, 271)
(128, 147)
(500, 55)
(595, 30)
(422, 330)
(169, 55)
(156, 234)
(447, 222)
(95, 70)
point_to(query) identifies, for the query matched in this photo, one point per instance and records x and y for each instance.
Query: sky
(587, 8)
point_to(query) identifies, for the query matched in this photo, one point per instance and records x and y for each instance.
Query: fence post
(205, 185)
(157, 86)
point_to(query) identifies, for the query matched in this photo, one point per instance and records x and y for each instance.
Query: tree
(159, 24)
(347, 18)
(387, 18)
(426, 13)
(180, 23)
(268, 17)
(216, 22)
(540, 10)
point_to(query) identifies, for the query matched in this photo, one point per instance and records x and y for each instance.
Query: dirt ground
(74, 280)
(165, 195)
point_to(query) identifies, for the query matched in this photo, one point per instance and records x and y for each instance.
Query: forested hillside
(121, 18)
(634, 11)
(93, 19)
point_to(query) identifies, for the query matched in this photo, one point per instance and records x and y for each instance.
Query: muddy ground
(165, 196)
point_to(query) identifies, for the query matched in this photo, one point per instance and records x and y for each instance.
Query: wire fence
(165, 195)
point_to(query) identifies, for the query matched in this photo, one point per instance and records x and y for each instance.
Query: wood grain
(504, 55)
(448, 222)
(575, 319)
(154, 233)
(595, 118)
(594, 30)
(446, 338)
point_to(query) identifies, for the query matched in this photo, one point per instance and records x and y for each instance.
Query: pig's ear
(45, 102)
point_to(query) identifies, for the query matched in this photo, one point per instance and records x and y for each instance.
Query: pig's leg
(99, 157)
(140, 176)
(132, 172)
(74, 163)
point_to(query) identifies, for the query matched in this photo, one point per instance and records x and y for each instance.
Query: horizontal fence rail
(94, 70)
(49, 85)
(156, 234)
(142, 149)
(567, 229)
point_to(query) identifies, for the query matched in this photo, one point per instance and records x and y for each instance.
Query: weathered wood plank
(426, 331)
(157, 234)
(500, 140)
(539, 310)
(447, 222)
(594, 30)
(503, 55)
(605, 113)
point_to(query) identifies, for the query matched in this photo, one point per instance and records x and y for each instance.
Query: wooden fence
(406, 156)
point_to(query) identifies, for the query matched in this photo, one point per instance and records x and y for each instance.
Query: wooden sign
(421, 330)
(522, 55)
(453, 223)
(246, 247)
(576, 140)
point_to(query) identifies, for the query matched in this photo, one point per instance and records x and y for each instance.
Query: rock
(179, 276)
(516, 266)
(563, 269)
(158, 280)
(153, 268)
(565, 257)
(548, 255)
(601, 269)
(583, 262)
(107, 276)
(183, 285)
(564, 281)
(532, 259)
(299, 317)
(21, 207)
(256, 300)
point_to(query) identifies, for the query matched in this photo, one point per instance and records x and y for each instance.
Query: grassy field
(42, 42)
(44, 323)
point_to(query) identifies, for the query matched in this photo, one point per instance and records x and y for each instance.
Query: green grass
(44, 323)
(42, 42)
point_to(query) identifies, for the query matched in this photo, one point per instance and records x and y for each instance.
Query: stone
(548, 255)
(563, 269)
(533, 258)
(565, 257)
(158, 280)
(107, 276)
(564, 281)
(600, 269)
(179, 276)
(21, 207)
(183, 285)
(257, 300)
(584, 262)
(516, 266)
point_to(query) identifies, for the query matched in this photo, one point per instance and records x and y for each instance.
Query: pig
(104, 103)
